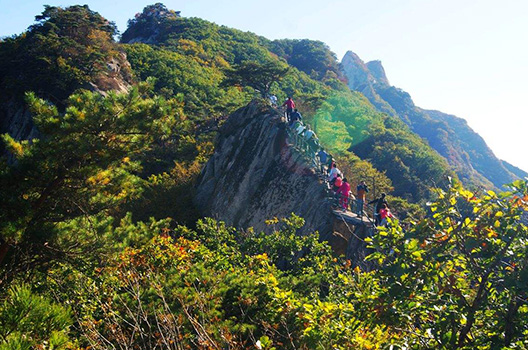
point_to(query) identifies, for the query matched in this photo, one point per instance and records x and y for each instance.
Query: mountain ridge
(451, 136)
(102, 245)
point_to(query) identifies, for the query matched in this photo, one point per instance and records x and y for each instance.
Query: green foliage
(457, 280)
(87, 208)
(219, 291)
(90, 161)
(174, 33)
(407, 213)
(65, 50)
(357, 170)
(342, 119)
(256, 75)
(408, 161)
(309, 56)
(197, 81)
(193, 54)
(147, 20)
(29, 321)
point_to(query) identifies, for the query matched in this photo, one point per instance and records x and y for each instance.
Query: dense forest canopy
(101, 246)
(65, 50)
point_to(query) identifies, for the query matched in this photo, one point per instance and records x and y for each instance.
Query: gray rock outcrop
(360, 78)
(377, 70)
(16, 119)
(255, 175)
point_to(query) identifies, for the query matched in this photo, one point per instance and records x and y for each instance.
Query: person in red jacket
(290, 105)
(337, 183)
(384, 214)
(344, 192)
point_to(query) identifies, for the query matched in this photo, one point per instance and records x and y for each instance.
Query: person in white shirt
(334, 172)
(308, 133)
(273, 100)
(300, 129)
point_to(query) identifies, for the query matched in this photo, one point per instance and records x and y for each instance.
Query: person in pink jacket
(385, 213)
(344, 192)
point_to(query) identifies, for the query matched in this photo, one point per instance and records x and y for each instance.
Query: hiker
(384, 214)
(308, 134)
(290, 105)
(334, 172)
(379, 202)
(337, 183)
(323, 159)
(299, 134)
(300, 129)
(295, 125)
(313, 146)
(273, 101)
(344, 192)
(330, 162)
(362, 190)
(312, 141)
(295, 116)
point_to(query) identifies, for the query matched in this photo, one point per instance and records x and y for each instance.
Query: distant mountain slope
(465, 150)
(519, 172)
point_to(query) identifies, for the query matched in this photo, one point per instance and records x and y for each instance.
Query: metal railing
(308, 150)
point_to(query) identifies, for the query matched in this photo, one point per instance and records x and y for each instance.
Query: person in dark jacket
(295, 116)
(323, 159)
(379, 203)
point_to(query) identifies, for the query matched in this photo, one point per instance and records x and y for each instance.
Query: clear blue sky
(468, 58)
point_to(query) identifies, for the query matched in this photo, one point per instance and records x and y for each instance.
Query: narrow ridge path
(301, 145)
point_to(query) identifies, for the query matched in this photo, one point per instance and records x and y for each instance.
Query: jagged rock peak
(467, 153)
(356, 71)
(361, 78)
(376, 69)
(352, 56)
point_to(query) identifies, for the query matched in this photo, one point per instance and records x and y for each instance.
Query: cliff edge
(254, 175)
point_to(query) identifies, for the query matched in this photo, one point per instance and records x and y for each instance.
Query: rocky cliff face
(466, 152)
(361, 79)
(254, 175)
(378, 72)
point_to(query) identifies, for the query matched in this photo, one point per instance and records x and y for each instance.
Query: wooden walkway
(352, 218)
